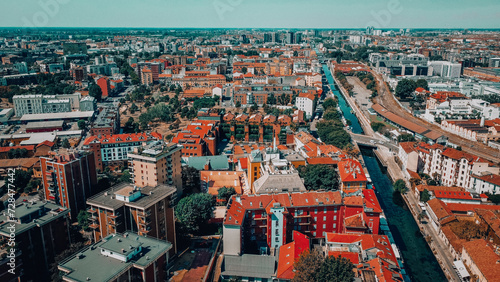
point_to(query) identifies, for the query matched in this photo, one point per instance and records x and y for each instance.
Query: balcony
(91, 211)
(301, 215)
(114, 216)
(260, 218)
(94, 226)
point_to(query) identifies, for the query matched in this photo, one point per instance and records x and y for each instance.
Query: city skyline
(254, 14)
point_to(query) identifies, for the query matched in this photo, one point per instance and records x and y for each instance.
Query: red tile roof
(321, 160)
(7, 149)
(289, 254)
(484, 257)
(350, 170)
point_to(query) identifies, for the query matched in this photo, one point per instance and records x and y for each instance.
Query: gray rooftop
(45, 124)
(249, 266)
(220, 162)
(52, 116)
(149, 196)
(90, 265)
(31, 214)
(277, 183)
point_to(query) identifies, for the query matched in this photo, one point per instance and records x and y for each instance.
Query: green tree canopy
(400, 186)
(95, 91)
(329, 103)
(406, 138)
(81, 124)
(335, 269)
(308, 265)
(405, 88)
(194, 211)
(425, 196)
(319, 177)
(83, 219)
(422, 83)
(224, 193)
(66, 144)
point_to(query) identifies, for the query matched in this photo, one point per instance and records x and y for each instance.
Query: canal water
(419, 262)
(344, 106)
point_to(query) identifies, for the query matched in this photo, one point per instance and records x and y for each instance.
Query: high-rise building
(289, 37)
(41, 233)
(146, 76)
(147, 211)
(156, 163)
(119, 257)
(69, 178)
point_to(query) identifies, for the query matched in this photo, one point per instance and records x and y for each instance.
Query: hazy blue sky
(252, 13)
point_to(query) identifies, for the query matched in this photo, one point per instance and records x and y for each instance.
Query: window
(324, 226)
(324, 218)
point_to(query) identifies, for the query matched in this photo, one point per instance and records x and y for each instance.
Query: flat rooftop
(149, 196)
(90, 265)
(31, 214)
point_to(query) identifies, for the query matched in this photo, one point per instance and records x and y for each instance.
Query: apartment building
(272, 218)
(352, 175)
(107, 121)
(145, 210)
(199, 138)
(41, 233)
(305, 102)
(119, 257)
(156, 163)
(449, 166)
(69, 178)
(112, 149)
(40, 104)
(257, 128)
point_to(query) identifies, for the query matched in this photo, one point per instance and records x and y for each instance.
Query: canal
(419, 262)
(344, 106)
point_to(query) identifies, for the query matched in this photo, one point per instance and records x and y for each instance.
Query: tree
(377, 126)
(422, 83)
(224, 193)
(335, 269)
(82, 124)
(126, 177)
(254, 108)
(83, 219)
(425, 196)
(95, 91)
(400, 186)
(318, 177)
(331, 114)
(308, 265)
(329, 103)
(244, 70)
(194, 211)
(405, 88)
(406, 138)
(21, 179)
(66, 144)
(190, 179)
(133, 108)
(271, 99)
(238, 104)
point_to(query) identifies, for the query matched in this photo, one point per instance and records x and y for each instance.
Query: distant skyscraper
(289, 37)
(369, 30)
(297, 38)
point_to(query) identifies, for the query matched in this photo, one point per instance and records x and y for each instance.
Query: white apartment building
(486, 183)
(305, 102)
(40, 104)
(452, 167)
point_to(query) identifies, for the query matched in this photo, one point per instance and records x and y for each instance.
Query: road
(443, 254)
(387, 99)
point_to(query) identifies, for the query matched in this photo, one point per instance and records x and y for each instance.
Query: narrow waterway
(344, 106)
(420, 263)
